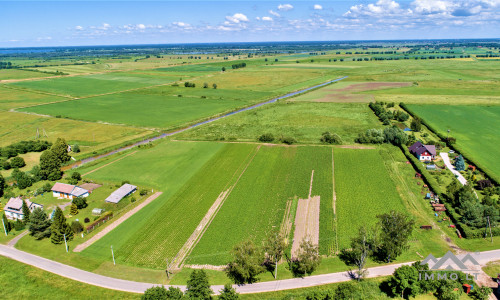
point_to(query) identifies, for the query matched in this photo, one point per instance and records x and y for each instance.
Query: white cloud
(141, 26)
(285, 7)
(274, 13)
(237, 18)
(105, 26)
(318, 7)
(78, 27)
(433, 6)
(382, 7)
(267, 19)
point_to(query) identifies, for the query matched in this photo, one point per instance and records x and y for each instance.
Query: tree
(266, 137)
(60, 149)
(2, 185)
(73, 210)
(198, 286)
(39, 225)
(480, 293)
(460, 163)
(449, 290)
(50, 167)
(205, 85)
(17, 162)
(214, 86)
(76, 227)
(274, 247)
(348, 291)
(155, 293)
(395, 136)
(26, 212)
(75, 177)
(59, 228)
(308, 258)
(405, 282)
(6, 223)
(361, 246)
(76, 148)
(223, 69)
(246, 264)
(330, 138)
(80, 202)
(174, 293)
(22, 179)
(228, 293)
(395, 231)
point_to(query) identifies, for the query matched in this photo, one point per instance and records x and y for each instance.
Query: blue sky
(63, 23)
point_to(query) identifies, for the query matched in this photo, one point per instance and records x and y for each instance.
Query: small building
(69, 191)
(431, 167)
(97, 211)
(121, 193)
(14, 208)
(428, 196)
(423, 152)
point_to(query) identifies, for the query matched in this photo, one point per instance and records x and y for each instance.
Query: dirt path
(103, 166)
(115, 224)
(191, 242)
(306, 220)
(334, 203)
(14, 241)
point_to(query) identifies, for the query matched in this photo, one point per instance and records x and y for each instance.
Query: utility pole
(113, 255)
(4, 228)
(276, 268)
(168, 272)
(489, 225)
(65, 243)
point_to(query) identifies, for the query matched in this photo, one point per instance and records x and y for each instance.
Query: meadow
(11, 98)
(18, 280)
(364, 190)
(474, 127)
(257, 204)
(303, 121)
(6, 74)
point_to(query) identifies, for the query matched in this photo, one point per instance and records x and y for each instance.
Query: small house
(97, 211)
(121, 193)
(423, 152)
(14, 208)
(69, 191)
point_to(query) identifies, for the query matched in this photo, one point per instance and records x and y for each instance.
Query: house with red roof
(69, 191)
(423, 152)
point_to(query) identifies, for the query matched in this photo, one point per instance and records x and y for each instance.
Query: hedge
(495, 179)
(102, 219)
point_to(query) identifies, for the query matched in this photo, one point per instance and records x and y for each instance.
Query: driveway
(448, 164)
(140, 287)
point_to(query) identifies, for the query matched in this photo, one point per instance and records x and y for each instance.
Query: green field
(6, 74)
(20, 281)
(257, 203)
(475, 128)
(14, 98)
(304, 121)
(364, 190)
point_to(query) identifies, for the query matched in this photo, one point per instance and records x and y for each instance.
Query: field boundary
(112, 162)
(116, 223)
(334, 203)
(192, 241)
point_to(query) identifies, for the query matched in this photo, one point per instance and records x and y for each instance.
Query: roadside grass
(492, 269)
(89, 136)
(257, 203)
(474, 127)
(18, 281)
(303, 121)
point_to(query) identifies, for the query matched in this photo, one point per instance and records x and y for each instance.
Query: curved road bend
(140, 287)
(164, 135)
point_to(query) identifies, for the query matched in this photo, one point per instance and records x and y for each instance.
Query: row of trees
(23, 147)
(386, 115)
(392, 135)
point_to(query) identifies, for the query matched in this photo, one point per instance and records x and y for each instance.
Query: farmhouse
(69, 191)
(121, 193)
(423, 152)
(14, 208)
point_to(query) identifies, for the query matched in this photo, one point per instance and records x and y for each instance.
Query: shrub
(266, 137)
(17, 162)
(86, 220)
(76, 148)
(330, 138)
(143, 192)
(19, 225)
(288, 140)
(80, 202)
(6, 165)
(76, 226)
(125, 182)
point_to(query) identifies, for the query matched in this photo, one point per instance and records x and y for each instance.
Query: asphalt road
(140, 287)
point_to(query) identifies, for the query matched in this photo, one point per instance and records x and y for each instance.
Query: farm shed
(14, 208)
(423, 152)
(69, 191)
(121, 193)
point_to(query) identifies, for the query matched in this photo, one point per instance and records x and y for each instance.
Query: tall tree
(198, 286)
(246, 264)
(395, 231)
(308, 258)
(274, 247)
(6, 223)
(39, 225)
(50, 166)
(155, 293)
(228, 293)
(73, 210)
(416, 124)
(59, 228)
(26, 212)
(460, 163)
(361, 246)
(60, 149)
(2, 185)
(405, 282)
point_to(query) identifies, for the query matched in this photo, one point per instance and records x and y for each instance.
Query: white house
(423, 152)
(14, 208)
(69, 191)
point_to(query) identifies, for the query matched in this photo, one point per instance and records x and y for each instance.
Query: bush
(189, 84)
(288, 140)
(86, 220)
(6, 165)
(266, 137)
(76, 226)
(125, 182)
(330, 138)
(19, 225)
(143, 192)
(17, 162)
(76, 148)
(80, 202)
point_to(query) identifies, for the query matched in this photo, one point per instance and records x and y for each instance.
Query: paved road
(448, 164)
(140, 287)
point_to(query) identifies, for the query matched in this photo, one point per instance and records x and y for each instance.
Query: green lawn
(364, 190)
(304, 121)
(257, 203)
(474, 127)
(20, 281)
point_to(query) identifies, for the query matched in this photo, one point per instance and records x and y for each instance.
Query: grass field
(364, 190)
(14, 98)
(172, 218)
(20, 281)
(89, 136)
(257, 203)
(474, 127)
(304, 121)
(6, 74)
